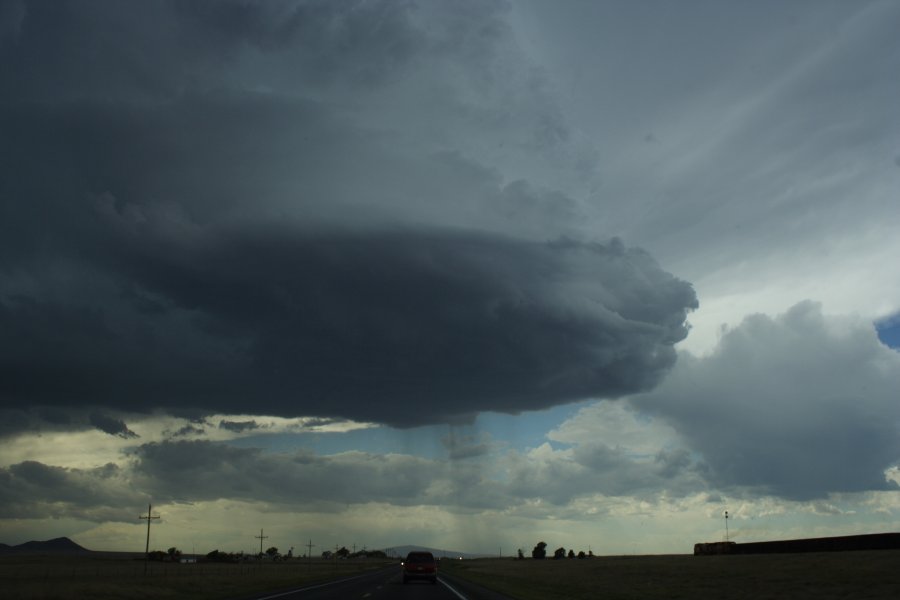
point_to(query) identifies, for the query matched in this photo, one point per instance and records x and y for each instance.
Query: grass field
(822, 576)
(103, 577)
(825, 576)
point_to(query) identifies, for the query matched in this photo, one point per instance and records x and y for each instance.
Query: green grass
(102, 578)
(823, 576)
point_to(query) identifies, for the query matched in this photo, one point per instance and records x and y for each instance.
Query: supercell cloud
(241, 208)
(360, 325)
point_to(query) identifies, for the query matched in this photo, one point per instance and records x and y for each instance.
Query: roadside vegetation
(108, 578)
(819, 576)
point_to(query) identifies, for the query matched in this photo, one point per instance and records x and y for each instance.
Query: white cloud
(799, 405)
(619, 426)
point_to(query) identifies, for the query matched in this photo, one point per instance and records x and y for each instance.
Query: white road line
(449, 587)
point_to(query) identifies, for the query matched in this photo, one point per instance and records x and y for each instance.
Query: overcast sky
(465, 274)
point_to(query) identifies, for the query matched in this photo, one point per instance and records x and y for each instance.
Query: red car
(419, 565)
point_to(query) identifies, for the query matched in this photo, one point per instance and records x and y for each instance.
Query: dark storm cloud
(32, 489)
(111, 426)
(465, 446)
(64, 49)
(797, 406)
(187, 222)
(188, 430)
(43, 418)
(355, 325)
(238, 426)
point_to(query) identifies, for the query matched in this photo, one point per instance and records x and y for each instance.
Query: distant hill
(61, 545)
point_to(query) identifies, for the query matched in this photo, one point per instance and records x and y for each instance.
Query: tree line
(174, 555)
(540, 552)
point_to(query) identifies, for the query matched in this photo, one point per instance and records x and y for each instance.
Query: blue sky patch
(889, 331)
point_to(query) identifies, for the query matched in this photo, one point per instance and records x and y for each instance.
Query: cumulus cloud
(192, 471)
(798, 406)
(31, 489)
(618, 425)
(199, 470)
(560, 476)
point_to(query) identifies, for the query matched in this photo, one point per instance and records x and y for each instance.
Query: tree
(581, 554)
(521, 554)
(174, 554)
(343, 552)
(272, 552)
(571, 554)
(559, 553)
(540, 551)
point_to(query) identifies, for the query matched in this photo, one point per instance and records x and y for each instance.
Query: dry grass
(823, 576)
(77, 577)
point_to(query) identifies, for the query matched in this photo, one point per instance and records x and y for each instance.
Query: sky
(468, 275)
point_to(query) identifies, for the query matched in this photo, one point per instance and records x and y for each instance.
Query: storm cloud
(220, 471)
(112, 426)
(32, 489)
(356, 325)
(240, 217)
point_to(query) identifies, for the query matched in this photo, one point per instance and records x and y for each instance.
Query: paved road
(386, 584)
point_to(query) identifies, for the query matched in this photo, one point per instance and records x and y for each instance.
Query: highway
(386, 584)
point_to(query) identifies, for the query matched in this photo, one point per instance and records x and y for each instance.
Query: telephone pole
(261, 537)
(149, 518)
(726, 525)
(309, 552)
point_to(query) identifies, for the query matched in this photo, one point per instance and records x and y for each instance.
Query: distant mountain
(61, 545)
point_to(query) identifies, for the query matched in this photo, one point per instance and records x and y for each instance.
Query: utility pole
(149, 518)
(261, 538)
(726, 525)
(309, 552)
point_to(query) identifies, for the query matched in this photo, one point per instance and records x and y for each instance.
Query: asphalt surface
(387, 584)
